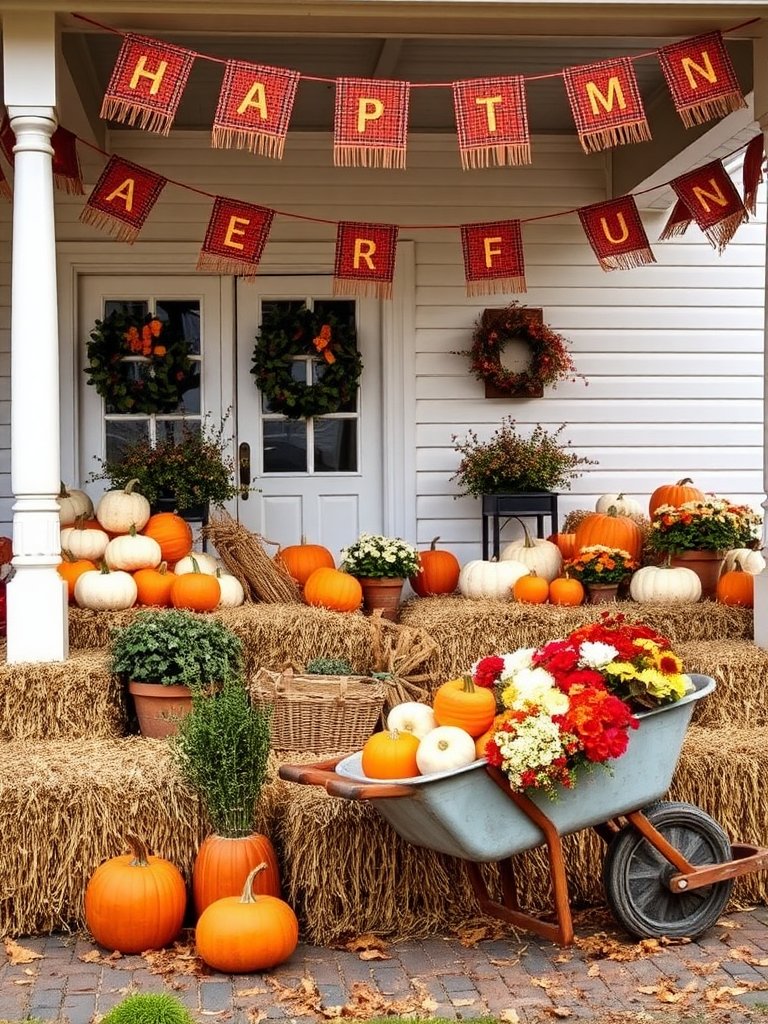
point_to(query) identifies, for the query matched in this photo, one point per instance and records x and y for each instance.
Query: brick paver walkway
(721, 977)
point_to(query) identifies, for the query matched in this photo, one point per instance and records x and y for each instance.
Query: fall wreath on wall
(288, 334)
(550, 360)
(139, 365)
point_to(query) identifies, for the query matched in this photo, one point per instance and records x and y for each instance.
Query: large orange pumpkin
(71, 569)
(154, 586)
(390, 754)
(459, 702)
(334, 589)
(172, 533)
(438, 572)
(301, 560)
(222, 865)
(198, 591)
(674, 494)
(566, 543)
(612, 530)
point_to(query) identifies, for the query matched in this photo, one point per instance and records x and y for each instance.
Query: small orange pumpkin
(172, 533)
(197, 591)
(154, 585)
(390, 754)
(459, 702)
(438, 572)
(566, 591)
(674, 494)
(489, 733)
(71, 569)
(334, 589)
(736, 587)
(531, 589)
(301, 560)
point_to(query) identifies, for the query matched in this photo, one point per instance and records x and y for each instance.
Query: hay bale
(62, 700)
(89, 629)
(741, 672)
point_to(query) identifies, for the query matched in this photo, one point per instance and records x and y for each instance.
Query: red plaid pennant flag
(147, 83)
(492, 121)
(5, 188)
(254, 108)
(752, 171)
(365, 259)
(235, 239)
(370, 123)
(605, 103)
(712, 201)
(678, 223)
(67, 175)
(122, 199)
(7, 140)
(493, 257)
(616, 234)
(701, 78)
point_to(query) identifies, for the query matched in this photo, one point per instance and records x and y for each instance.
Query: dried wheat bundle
(245, 557)
(399, 651)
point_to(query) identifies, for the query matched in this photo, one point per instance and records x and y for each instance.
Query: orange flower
(160, 350)
(155, 327)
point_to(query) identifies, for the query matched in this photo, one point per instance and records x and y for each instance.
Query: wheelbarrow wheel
(635, 874)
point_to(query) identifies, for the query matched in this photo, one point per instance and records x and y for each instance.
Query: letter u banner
(616, 234)
(365, 259)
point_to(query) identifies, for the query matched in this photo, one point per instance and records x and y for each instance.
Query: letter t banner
(147, 83)
(493, 257)
(605, 103)
(701, 78)
(492, 121)
(370, 122)
(122, 199)
(235, 238)
(616, 234)
(365, 259)
(254, 108)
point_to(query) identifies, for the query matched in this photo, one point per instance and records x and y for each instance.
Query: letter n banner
(235, 239)
(122, 199)
(712, 201)
(701, 78)
(365, 259)
(493, 257)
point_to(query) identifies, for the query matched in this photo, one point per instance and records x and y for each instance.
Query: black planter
(194, 514)
(495, 507)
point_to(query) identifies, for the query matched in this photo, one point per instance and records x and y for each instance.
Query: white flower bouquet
(376, 557)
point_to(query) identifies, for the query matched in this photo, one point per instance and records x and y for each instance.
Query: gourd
(566, 543)
(736, 587)
(103, 590)
(459, 702)
(119, 510)
(439, 572)
(480, 579)
(198, 591)
(131, 551)
(197, 561)
(71, 569)
(172, 533)
(531, 589)
(664, 583)
(135, 901)
(153, 586)
(223, 864)
(624, 505)
(390, 754)
(611, 530)
(566, 591)
(750, 561)
(232, 592)
(674, 494)
(248, 933)
(334, 589)
(445, 748)
(72, 504)
(412, 716)
(83, 542)
(301, 560)
(539, 555)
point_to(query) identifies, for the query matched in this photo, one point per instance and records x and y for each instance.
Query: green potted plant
(381, 564)
(221, 748)
(149, 1008)
(167, 655)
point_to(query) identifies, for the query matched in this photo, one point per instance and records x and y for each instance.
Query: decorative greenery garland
(285, 334)
(164, 374)
(550, 358)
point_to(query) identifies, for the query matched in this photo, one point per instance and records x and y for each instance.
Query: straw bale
(66, 700)
(741, 672)
(90, 629)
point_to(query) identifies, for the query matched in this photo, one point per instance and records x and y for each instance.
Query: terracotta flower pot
(706, 564)
(600, 593)
(382, 592)
(159, 708)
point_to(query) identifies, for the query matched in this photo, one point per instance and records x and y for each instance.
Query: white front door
(320, 477)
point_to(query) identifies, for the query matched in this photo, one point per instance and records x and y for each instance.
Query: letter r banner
(147, 83)
(365, 259)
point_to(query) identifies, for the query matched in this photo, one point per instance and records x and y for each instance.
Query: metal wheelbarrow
(668, 868)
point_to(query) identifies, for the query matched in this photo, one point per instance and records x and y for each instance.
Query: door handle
(244, 462)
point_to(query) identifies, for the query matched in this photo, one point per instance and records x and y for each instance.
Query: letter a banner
(147, 83)
(616, 234)
(370, 123)
(365, 259)
(605, 103)
(254, 108)
(235, 239)
(122, 199)
(493, 257)
(701, 78)
(712, 201)
(492, 121)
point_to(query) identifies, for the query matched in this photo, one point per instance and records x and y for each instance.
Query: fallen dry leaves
(180, 958)
(602, 946)
(364, 1001)
(20, 954)
(368, 947)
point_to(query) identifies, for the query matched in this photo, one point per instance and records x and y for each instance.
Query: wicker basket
(320, 713)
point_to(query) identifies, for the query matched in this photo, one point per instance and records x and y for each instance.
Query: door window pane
(335, 446)
(123, 432)
(285, 446)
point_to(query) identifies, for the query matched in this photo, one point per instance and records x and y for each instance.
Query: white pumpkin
(412, 716)
(205, 563)
(541, 556)
(118, 511)
(479, 579)
(84, 542)
(132, 551)
(232, 593)
(103, 590)
(73, 504)
(444, 748)
(749, 560)
(664, 583)
(624, 505)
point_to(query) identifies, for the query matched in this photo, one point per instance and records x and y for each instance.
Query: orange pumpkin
(531, 589)
(301, 560)
(459, 702)
(489, 733)
(390, 754)
(154, 585)
(334, 589)
(674, 494)
(223, 864)
(71, 569)
(612, 530)
(736, 587)
(566, 543)
(566, 591)
(438, 572)
(172, 533)
(197, 591)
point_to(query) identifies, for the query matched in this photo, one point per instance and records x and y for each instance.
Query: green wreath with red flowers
(550, 359)
(288, 334)
(139, 365)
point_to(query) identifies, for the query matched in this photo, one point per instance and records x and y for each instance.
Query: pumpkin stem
(139, 851)
(195, 566)
(132, 531)
(63, 493)
(162, 568)
(433, 544)
(248, 894)
(737, 566)
(104, 568)
(612, 510)
(469, 684)
(528, 541)
(128, 489)
(684, 481)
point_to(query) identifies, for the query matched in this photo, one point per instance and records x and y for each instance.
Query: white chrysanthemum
(555, 702)
(594, 654)
(528, 686)
(516, 661)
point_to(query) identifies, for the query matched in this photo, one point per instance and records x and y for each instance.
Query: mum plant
(510, 462)
(715, 524)
(377, 557)
(600, 564)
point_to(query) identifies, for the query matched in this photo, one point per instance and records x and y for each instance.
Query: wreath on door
(286, 334)
(156, 381)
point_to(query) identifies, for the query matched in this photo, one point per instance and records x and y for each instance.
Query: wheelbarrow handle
(322, 774)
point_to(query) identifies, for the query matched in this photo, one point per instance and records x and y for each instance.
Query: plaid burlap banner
(5, 188)
(122, 199)
(493, 257)
(752, 171)
(365, 259)
(7, 139)
(235, 239)
(678, 223)
(147, 83)
(701, 78)
(67, 175)
(616, 234)
(370, 122)
(254, 108)
(492, 121)
(605, 103)
(712, 201)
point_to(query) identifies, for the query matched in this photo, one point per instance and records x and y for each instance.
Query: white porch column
(37, 603)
